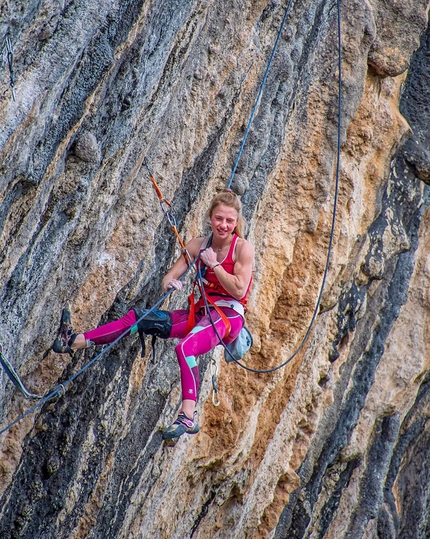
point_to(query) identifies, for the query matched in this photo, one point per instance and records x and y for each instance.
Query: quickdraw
(7, 51)
(166, 208)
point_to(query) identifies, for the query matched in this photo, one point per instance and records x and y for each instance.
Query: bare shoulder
(194, 246)
(244, 250)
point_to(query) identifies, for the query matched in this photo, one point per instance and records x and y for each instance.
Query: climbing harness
(7, 53)
(200, 267)
(192, 318)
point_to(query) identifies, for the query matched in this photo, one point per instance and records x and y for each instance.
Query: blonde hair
(228, 198)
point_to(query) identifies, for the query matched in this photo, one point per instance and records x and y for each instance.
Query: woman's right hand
(171, 279)
(174, 283)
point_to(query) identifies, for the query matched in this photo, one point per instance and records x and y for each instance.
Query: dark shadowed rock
(335, 444)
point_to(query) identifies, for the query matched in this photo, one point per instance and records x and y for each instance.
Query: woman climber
(226, 259)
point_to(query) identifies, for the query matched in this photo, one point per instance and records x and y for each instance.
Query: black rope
(60, 389)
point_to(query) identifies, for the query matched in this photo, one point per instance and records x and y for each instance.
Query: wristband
(215, 265)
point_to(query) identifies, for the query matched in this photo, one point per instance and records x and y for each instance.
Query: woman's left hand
(208, 257)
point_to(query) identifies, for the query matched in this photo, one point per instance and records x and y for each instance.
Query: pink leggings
(200, 340)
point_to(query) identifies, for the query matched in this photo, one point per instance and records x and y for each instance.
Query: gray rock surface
(335, 445)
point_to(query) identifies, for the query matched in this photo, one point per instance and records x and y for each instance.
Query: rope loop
(336, 188)
(163, 202)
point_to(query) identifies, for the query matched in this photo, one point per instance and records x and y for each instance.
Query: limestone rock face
(336, 443)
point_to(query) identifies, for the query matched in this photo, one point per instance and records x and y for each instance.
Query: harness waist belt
(233, 304)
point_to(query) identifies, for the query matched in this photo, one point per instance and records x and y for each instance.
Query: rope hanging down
(260, 93)
(60, 389)
(335, 198)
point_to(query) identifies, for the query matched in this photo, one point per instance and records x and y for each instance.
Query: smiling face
(223, 221)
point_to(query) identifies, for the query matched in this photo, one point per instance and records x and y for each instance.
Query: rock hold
(87, 148)
(175, 80)
(418, 157)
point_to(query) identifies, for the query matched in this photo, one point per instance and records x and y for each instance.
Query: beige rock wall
(327, 446)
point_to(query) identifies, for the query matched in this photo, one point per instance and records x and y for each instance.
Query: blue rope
(333, 222)
(260, 92)
(60, 389)
(14, 377)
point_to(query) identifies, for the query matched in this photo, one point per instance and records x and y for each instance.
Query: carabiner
(9, 55)
(215, 399)
(166, 208)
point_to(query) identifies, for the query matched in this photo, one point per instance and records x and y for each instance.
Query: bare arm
(237, 283)
(171, 279)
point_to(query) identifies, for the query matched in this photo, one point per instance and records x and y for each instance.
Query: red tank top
(213, 287)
